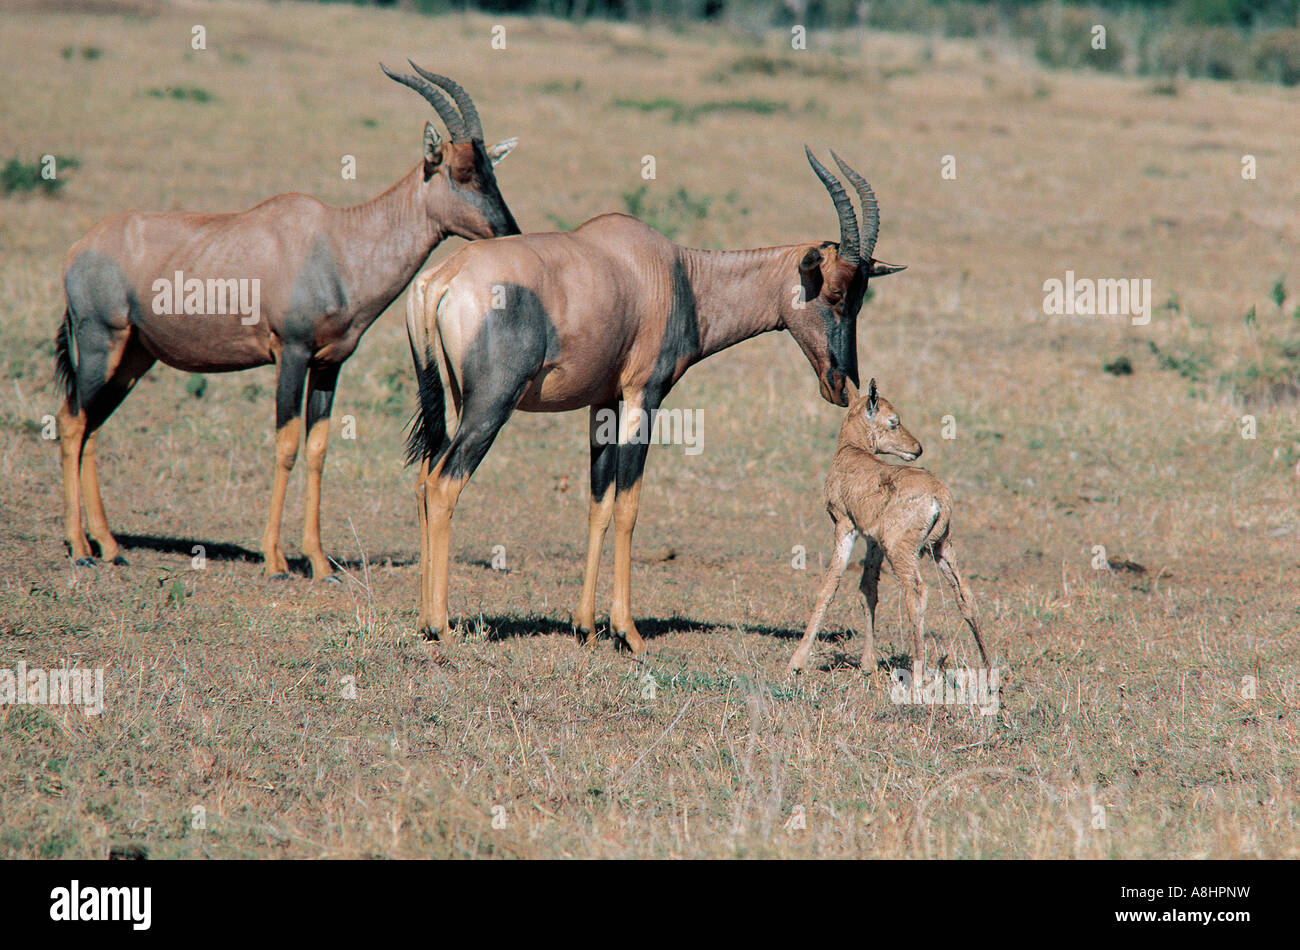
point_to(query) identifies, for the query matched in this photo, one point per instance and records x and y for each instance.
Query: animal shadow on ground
(845, 660)
(504, 627)
(224, 551)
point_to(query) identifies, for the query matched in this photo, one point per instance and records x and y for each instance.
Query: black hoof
(427, 633)
(121, 561)
(84, 562)
(282, 576)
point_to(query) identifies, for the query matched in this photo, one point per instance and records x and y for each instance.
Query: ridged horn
(870, 210)
(843, 208)
(463, 101)
(450, 117)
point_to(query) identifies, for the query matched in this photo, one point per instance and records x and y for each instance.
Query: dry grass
(1126, 689)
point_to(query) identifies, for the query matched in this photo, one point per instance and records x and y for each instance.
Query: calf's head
(872, 424)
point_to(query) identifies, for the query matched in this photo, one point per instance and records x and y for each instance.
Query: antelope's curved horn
(843, 208)
(870, 210)
(450, 117)
(463, 102)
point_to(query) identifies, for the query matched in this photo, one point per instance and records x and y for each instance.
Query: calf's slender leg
(845, 536)
(907, 569)
(947, 561)
(870, 587)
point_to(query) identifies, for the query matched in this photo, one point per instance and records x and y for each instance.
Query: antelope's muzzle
(842, 343)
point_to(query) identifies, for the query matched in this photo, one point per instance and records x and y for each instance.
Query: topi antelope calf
(902, 511)
(291, 282)
(612, 312)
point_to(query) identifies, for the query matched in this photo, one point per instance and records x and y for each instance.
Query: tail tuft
(426, 436)
(65, 362)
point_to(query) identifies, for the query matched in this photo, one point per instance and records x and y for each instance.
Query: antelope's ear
(810, 274)
(881, 269)
(873, 398)
(432, 147)
(502, 149)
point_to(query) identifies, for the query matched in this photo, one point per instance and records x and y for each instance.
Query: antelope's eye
(893, 422)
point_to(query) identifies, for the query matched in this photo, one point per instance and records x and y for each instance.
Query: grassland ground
(1148, 710)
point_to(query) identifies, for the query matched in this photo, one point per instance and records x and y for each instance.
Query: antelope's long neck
(386, 239)
(739, 294)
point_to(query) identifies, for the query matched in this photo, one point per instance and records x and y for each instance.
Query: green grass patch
(679, 111)
(182, 94)
(18, 176)
(670, 214)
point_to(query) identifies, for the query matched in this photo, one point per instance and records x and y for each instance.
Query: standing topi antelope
(901, 510)
(612, 311)
(291, 281)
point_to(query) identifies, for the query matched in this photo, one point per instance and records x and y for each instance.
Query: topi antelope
(291, 282)
(610, 312)
(902, 511)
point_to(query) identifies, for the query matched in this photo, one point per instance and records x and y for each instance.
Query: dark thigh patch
(102, 303)
(511, 345)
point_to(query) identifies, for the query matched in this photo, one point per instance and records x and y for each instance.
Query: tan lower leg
(317, 441)
(620, 613)
(602, 509)
(441, 495)
(286, 453)
(914, 598)
(72, 430)
(965, 602)
(96, 519)
(422, 515)
(870, 588)
(839, 561)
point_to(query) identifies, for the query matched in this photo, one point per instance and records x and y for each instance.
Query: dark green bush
(1277, 56)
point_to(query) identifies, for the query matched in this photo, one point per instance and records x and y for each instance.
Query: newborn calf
(902, 511)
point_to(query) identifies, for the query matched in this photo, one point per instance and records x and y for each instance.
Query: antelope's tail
(426, 436)
(65, 360)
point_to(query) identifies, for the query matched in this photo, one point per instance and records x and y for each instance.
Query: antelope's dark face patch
(475, 209)
(825, 326)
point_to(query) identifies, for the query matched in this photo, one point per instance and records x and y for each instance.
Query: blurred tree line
(1217, 39)
(838, 13)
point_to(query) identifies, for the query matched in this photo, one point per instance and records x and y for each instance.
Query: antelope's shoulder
(616, 223)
